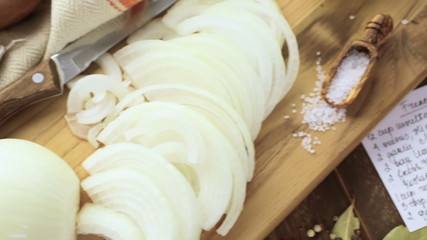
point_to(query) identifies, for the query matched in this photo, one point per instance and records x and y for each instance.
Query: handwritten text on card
(397, 147)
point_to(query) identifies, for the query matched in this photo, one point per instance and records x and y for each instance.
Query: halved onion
(39, 194)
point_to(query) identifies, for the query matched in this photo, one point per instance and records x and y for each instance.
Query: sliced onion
(238, 30)
(208, 47)
(110, 66)
(176, 153)
(96, 84)
(90, 101)
(267, 10)
(199, 79)
(155, 29)
(98, 220)
(219, 113)
(93, 132)
(213, 171)
(97, 110)
(167, 178)
(241, 36)
(135, 194)
(159, 62)
(216, 19)
(75, 127)
(131, 127)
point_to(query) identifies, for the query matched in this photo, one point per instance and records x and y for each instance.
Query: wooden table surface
(285, 172)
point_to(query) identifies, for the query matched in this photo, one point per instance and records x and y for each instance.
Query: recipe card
(397, 147)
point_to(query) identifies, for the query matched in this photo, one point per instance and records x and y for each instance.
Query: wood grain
(285, 172)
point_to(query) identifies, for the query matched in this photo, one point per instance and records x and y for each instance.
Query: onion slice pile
(184, 99)
(135, 194)
(163, 174)
(167, 122)
(99, 220)
(225, 119)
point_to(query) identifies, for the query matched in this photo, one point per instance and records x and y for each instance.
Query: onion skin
(13, 11)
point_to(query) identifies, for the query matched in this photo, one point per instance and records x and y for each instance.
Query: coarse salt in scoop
(354, 64)
(348, 76)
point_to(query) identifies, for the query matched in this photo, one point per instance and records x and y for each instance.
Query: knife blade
(49, 77)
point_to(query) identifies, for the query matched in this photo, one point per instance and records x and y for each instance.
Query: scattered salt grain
(316, 141)
(348, 76)
(307, 141)
(293, 105)
(352, 17)
(294, 111)
(404, 21)
(318, 53)
(317, 114)
(286, 117)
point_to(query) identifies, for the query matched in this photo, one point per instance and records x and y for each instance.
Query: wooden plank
(285, 172)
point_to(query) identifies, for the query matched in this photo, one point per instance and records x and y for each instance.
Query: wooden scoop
(377, 32)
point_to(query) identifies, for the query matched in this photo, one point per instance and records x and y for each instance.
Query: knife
(49, 77)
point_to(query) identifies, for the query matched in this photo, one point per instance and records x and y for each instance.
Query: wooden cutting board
(285, 172)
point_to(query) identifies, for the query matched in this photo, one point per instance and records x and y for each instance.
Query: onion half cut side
(39, 193)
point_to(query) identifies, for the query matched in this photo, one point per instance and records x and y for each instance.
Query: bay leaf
(347, 224)
(402, 233)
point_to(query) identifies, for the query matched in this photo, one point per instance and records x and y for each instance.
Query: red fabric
(129, 3)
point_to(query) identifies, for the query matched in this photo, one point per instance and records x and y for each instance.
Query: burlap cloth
(53, 25)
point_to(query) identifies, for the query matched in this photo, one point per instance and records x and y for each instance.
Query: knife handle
(39, 83)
